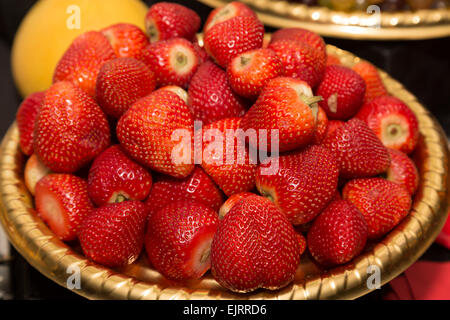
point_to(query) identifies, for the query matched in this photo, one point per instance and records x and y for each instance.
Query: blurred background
(422, 66)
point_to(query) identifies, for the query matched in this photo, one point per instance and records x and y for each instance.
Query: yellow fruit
(50, 27)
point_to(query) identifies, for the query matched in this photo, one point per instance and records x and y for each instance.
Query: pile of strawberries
(111, 165)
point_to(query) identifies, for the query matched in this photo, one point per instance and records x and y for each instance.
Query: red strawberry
(198, 187)
(146, 130)
(228, 11)
(304, 184)
(70, 130)
(178, 91)
(338, 234)
(231, 202)
(374, 84)
(113, 235)
(173, 61)
(255, 246)
(301, 35)
(120, 83)
(226, 40)
(211, 97)
(225, 157)
(357, 150)
(25, 117)
(249, 72)
(82, 61)
(114, 177)
(62, 202)
(332, 59)
(331, 126)
(179, 237)
(342, 90)
(383, 203)
(392, 121)
(403, 171)
(171, 20)
(201, 52)
(300, 60)
(291, 110)
(321, 126)
(34, 171)
(127, 40)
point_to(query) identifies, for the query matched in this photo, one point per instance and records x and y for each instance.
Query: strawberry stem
(311, 100)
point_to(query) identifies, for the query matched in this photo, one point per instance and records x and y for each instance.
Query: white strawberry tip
(395, 130)
(223, 14)
(35, 170)
(243, 61)
(200, 260)
(118, 197)
(182, 59)
(178, 91)
(152, 30)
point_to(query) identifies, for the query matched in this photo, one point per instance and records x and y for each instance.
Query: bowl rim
(393, 254)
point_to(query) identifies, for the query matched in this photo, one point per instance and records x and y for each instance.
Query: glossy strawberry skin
(25, 118)
(403, 171)
(120, 83)
(304, 184)
(254, 247)
(179, 237)
(383, 203)
(114, 177)
(244, 32)
(82, 61)
(392, 121)
(357, 150)
(62, 202)
(70, 129)
(173, 61)
(145, 132)
(211, 97)
(374, 84)
(198, 186)
(171, 20)
(300, 60)
(232, 170)
(338, 235)
(321, 126)
(229, 11)
(342, 90)
(113, 235)
(249, 72)
(231, 202)
(127, 40)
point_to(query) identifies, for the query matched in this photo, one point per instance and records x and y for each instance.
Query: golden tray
(401, 247)
(358, 25)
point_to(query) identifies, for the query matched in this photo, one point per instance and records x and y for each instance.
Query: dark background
(423, 67)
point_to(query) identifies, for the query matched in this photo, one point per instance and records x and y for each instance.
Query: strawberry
(178, 91)
(321, 126)
(304, 184)
(331, 126)
(114, 177)
(226, 12)
(82, 61)
(392, 121)
(403, 171)
(357, 150)
(374, 84)
(300, 60)
(231, 202)
(173, 61)
(292, 110)
(120, 83)
(332, 59)
(225, 157)
(255, 246)
(211, 97)
(342, 90)
(249, 72)
(226, 40)
(301, 35)
(127, 40)
(25, 118)
(198, 187)
(338, 234)
(113, 235)
(201, 52)
(146, 130)
(62, 202)
(179, 237)
(383, 203)
(70, 129)
(166, 20)
(34, 171)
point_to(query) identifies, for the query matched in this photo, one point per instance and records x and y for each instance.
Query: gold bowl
(404, 25)
(392, 255)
